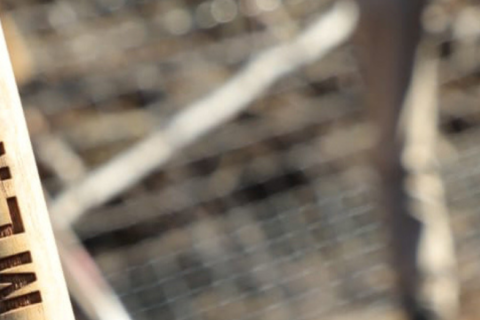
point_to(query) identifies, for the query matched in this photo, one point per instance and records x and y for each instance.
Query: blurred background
(269, 215)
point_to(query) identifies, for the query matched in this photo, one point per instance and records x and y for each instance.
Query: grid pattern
(273, 215)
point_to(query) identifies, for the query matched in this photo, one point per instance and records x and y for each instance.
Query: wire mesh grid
(271, 216)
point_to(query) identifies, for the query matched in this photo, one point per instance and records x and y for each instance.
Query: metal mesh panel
(271, 216)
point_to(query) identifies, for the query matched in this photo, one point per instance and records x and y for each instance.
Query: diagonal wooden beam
(31, 278)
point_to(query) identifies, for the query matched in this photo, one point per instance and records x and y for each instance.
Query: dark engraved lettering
(14, 293)
(15, 260)
(14, 210)
(15, 215)
(16, 281)
(17, 224)
(5, 173)
(6, 231)
(20, 302)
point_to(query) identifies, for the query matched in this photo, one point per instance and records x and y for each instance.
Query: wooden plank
(31, 278)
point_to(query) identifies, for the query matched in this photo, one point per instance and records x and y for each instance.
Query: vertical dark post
(401, 96)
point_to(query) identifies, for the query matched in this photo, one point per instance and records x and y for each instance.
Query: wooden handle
(32, 286)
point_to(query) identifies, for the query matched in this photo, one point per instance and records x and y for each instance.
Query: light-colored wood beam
(32, 286)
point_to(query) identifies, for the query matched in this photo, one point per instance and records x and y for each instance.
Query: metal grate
(271, 216)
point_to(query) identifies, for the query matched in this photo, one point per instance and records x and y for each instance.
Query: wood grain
(32, 286)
